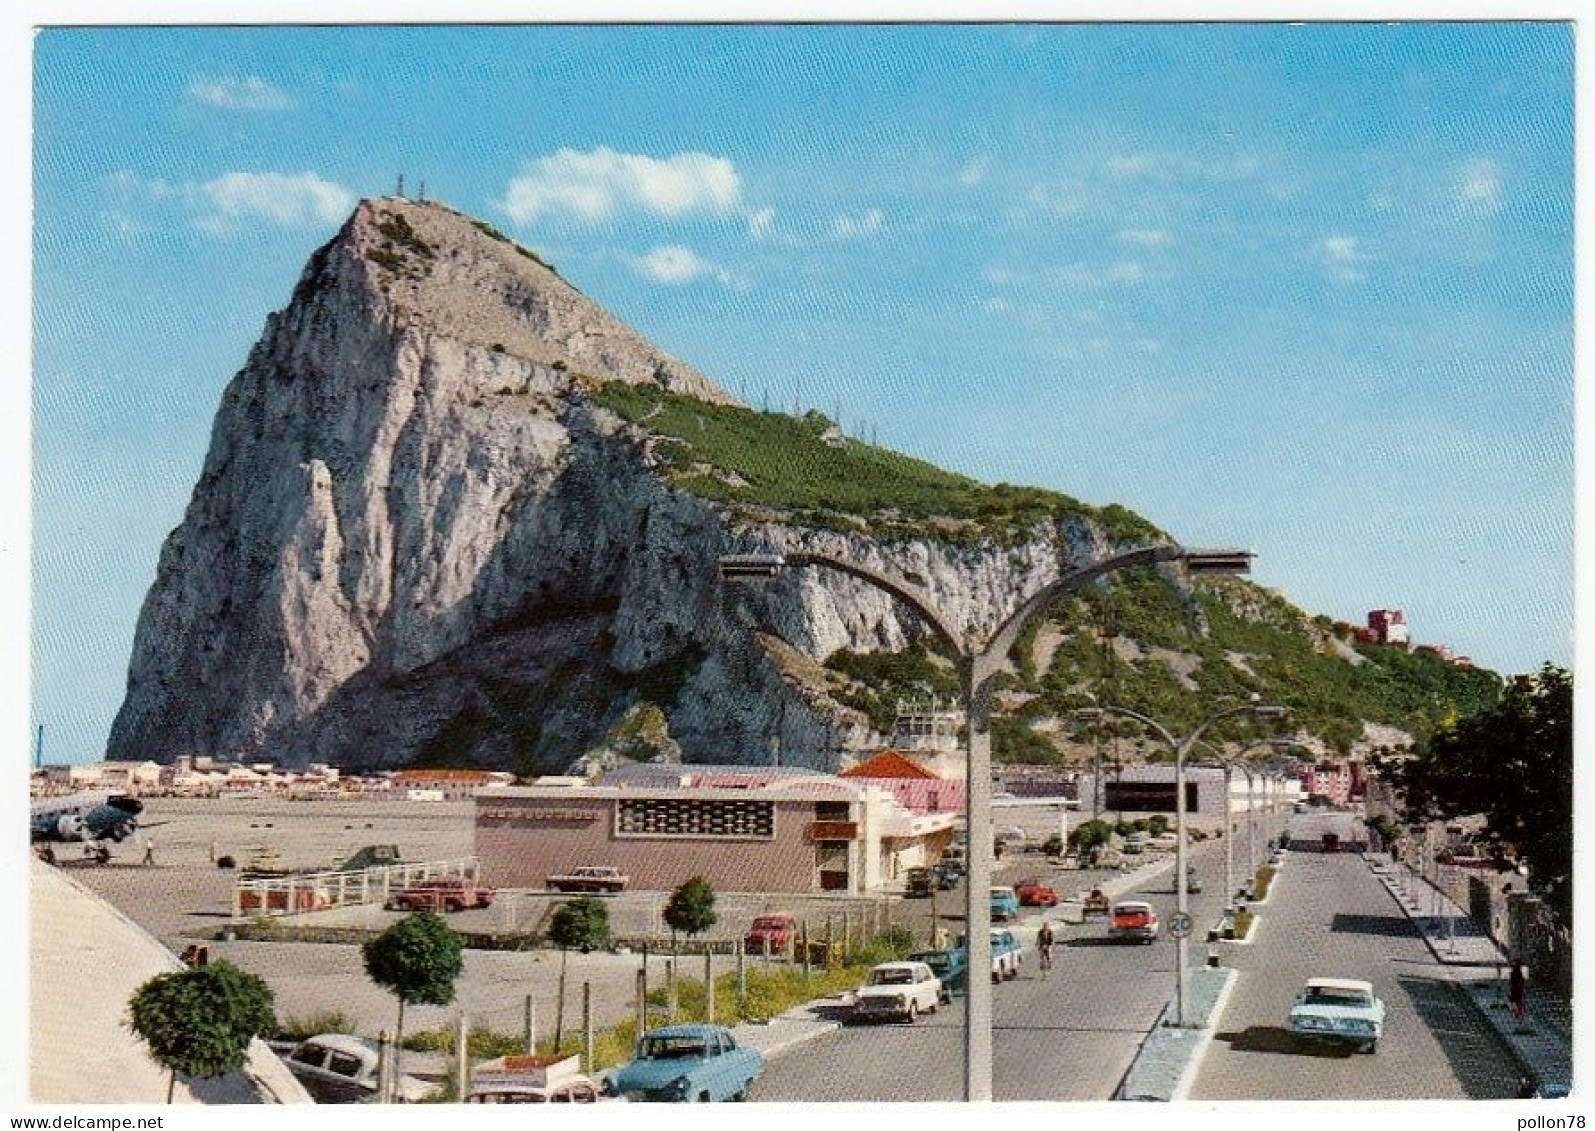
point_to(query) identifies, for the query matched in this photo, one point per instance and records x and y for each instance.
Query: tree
(582, 924)
(417, 960)
(200, 1021)
(1088, 834)
(1512, 762)
(691, 909)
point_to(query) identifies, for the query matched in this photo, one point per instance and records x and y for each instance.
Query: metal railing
(303, 892)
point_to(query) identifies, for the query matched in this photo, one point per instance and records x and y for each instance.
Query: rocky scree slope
(442, 522)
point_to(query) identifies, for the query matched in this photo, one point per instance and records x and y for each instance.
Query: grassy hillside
(1179, 652)
(740, 455)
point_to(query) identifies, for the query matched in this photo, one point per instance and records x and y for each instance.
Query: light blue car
(1004, 905)
(687, 1064)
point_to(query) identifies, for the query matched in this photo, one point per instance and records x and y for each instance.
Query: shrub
(481, 1043)
(1088, 834)
(1265, 877)
(1243, 922)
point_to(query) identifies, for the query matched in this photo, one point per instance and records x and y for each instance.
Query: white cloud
(1145, 237)
(761, 222)
(248, 93)
(595, 185)
(996, 304)
(974, 172)
(1054, 200)
(675, 266)
(288, 201)
(1342, 259)
(1478, 186)
(221, 205)
(852, 228)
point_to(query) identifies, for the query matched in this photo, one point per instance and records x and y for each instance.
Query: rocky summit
(455, 514)
(417, 539)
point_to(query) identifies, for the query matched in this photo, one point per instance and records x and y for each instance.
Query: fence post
(642, 1001)
(847, 935)
(670, 991)
(529, 1027)
(462, 1042)
(383, 1066)
(742, 972)
(804, 924)
(587, 1027)
(708, 984)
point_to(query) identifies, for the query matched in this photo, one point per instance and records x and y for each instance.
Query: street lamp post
(977, 665)
(1182, 749)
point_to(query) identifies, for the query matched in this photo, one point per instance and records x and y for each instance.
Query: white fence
(320, 891)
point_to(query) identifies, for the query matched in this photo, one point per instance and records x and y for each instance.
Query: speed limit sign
(1179, 924)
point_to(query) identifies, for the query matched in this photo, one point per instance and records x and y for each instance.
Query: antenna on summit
(422, 197)
(399, 192)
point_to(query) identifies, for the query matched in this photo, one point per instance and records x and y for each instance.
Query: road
(1329, 915)
(1069, 1036)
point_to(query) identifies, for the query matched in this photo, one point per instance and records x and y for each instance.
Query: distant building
(927, 726)
(448, 785)
(918, 788)
(1389, 626)
(742, 828)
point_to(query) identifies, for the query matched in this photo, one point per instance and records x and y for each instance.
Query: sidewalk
(1544, 1043)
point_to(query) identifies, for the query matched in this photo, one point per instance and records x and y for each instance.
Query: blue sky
(1303, 289)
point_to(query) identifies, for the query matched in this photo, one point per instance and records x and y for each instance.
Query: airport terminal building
(757, 829)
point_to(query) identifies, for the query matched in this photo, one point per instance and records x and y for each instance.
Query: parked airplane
(90, 818)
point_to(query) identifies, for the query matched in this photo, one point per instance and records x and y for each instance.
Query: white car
(1343, 1010)
(898, 989)
(336, 1068)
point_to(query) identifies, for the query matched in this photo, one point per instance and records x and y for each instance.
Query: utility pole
(38, 749)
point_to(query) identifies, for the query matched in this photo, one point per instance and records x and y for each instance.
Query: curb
(1199, 1052)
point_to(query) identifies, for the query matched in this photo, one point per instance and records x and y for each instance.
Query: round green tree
(200, 1021)
(582, 924)
(691, 908)
(417, 960)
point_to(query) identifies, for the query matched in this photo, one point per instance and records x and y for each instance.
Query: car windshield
(891, 978)
(1326, 995)
(768, 924)
(673, 1048)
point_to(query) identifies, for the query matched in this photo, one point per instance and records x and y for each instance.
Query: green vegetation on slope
(735, 454)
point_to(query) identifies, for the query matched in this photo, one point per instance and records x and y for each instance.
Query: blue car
(951, 966)
(1004, 905)
(687, 1064)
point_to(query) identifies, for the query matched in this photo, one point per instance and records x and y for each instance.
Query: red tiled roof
(888, 764)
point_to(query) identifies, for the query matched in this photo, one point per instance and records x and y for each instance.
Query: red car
(1034, 893)
(448, 893)
(775, 930)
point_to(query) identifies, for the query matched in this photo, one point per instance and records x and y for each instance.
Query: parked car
(687, 1064)
(445, 893)
(947, 874)
(1193, 881)
(532, 1080)
(897, 989)
(1004, 905)
(1342, 1010)
(1163, 842)
(921, 881)
(1094, 903)
(336, 1068)
(777, 931)
(1134, 844)
(951, 968)
(590, 879)
(1033, 893)
(1133, 921)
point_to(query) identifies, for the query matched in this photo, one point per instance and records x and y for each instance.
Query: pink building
(1389, 626)
(917, 789)
(1331, 781)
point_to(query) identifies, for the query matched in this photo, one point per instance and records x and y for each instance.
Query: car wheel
(703, 1097)
(1371, 1047)
(913, 1012)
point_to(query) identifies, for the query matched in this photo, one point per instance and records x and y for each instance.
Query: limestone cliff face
(415, 540)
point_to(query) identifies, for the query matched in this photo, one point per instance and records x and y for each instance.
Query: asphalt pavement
(1069, 1035)
(1327, 914)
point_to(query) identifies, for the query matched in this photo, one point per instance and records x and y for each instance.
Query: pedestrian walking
(1044, 942)
(1517, 990)
(149, 851)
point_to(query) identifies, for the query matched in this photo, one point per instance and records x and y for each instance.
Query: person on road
(1044, 946)
(149, 851)
(1517, 990)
